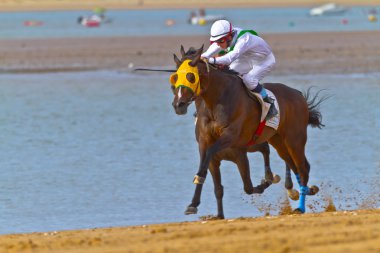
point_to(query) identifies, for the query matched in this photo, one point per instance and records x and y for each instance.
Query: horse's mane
(192, 52)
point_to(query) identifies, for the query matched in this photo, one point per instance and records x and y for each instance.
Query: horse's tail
(313, 103)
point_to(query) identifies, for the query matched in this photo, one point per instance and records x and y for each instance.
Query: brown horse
(234, 116)
(237, 156)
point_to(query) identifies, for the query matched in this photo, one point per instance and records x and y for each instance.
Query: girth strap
(257, 134)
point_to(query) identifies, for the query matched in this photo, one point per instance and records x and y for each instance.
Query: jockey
(246, 53)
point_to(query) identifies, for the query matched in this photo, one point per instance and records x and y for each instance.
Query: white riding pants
(258, 70)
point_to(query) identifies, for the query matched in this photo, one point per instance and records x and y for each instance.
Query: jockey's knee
(250, 82)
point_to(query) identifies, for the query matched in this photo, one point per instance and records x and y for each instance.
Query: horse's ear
(198, 54)
(200, 50)
(182, 52)
(176, 60)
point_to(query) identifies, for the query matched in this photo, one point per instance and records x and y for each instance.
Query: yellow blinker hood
(182, 71)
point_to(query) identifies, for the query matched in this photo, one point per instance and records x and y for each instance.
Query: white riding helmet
(220, 29)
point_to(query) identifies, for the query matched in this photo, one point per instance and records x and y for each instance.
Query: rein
(208, 77)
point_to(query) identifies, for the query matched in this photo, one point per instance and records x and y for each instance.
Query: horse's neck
(219, 88)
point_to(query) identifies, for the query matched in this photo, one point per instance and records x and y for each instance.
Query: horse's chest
(215, 129)
(215, 123)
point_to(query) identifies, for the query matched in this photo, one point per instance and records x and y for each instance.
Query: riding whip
(157, 70)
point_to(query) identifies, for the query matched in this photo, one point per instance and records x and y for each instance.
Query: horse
(235, 155)
(234, 116)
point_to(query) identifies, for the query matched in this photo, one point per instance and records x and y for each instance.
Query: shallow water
(60, 24)
(99, 149)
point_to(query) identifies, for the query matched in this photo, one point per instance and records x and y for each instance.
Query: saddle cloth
(274, 121)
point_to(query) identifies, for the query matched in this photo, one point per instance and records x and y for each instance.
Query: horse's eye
(190, 77)
(173, 78)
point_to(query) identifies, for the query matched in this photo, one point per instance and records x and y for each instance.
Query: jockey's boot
(272, 109)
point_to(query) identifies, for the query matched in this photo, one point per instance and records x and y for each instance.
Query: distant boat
(328, 9)
(33, 23)
(202, 20)
(92, 21)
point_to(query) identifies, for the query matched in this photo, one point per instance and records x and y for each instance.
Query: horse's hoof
(211, 217)
(276, 179)
(298, 211)
(191, 210)
(313, 190)
(288, 184)
(258, 189)
(198, 179)
(293, 194)
(249, 190)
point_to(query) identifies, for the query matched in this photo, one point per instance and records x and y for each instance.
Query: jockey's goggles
(222, 40)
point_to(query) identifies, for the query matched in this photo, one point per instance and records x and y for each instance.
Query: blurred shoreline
(48, 5)
(296, 53)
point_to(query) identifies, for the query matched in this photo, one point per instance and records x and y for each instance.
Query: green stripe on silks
(229, 49)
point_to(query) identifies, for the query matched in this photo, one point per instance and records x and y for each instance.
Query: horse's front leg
(222, 143)
(193, 207)
(195, 202)
(218, 187)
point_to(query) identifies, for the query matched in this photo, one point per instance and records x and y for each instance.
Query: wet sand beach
(298, 53)
(350, 231)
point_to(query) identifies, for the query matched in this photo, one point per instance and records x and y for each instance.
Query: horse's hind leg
(264, 149)
(242, 162)
(293, 194)
(278, 144)
(288, 178)
(296, 148)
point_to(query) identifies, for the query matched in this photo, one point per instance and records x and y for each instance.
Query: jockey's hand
(211, 60)
(223, 67)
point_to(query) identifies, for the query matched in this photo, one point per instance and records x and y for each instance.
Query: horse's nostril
(181, 103)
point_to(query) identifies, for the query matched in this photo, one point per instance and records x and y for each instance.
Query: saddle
(274, 121)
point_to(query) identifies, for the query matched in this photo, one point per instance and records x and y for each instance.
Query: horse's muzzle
(180, 108)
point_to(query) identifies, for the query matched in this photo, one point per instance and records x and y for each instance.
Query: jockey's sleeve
(212, 50)
(241, 46)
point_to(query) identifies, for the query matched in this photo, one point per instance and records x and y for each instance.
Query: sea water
(101, 149)
(58, 24)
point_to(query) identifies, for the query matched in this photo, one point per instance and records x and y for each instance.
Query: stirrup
(268, 100)
(271, 112)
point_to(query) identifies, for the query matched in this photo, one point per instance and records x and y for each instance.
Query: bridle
(208, 65)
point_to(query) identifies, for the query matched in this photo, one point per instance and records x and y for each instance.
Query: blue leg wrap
(304, 190)
(301, 205)
(298, 179)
